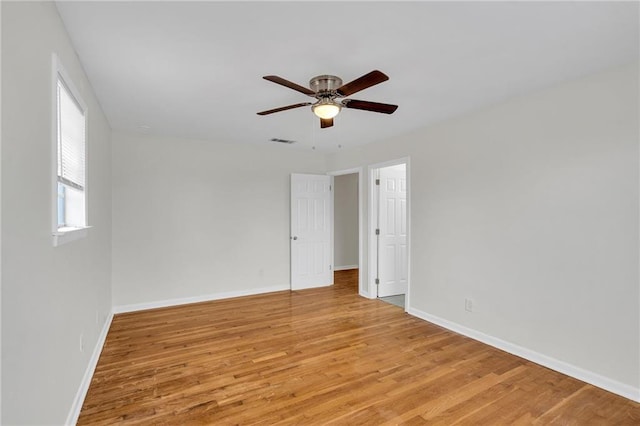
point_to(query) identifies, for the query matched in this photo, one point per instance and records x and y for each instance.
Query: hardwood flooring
(324, 356)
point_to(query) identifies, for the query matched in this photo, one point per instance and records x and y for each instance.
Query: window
(70, 139)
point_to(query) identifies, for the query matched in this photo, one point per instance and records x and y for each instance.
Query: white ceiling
(193, 69)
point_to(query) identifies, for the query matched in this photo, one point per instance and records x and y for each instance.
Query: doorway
(345, 230)
(312, 230)
(389, 237)
(348, 227)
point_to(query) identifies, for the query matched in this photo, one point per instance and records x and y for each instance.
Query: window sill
(66, 235)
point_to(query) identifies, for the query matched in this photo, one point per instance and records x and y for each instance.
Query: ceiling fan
(327, 88)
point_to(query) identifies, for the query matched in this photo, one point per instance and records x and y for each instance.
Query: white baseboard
(590, 377)
(205, 298)
(74, 413)
(344, 268)
(307, 287)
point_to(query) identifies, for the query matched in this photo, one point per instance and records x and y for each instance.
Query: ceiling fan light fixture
(326, 108)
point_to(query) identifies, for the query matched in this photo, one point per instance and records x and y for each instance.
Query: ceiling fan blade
(284, 108)
(289, 84)
(326, 122)
(367, 80)
(369, 106)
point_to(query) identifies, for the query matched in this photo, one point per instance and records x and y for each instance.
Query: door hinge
(377, 181)
(377, 231)
(377, 281)
(329, 267)
(329, 187)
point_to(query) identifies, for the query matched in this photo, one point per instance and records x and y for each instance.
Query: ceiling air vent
(282, 141)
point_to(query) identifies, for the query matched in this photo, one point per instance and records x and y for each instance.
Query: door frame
(360, 172)
(373, 218)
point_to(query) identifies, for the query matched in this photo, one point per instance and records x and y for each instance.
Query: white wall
(345, 202)
(530, 208)
(50, 295)
(200, 219)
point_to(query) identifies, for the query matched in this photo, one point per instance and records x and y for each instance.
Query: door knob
(294, 238)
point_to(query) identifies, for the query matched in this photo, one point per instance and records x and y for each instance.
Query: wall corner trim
(587, 376)
(74, 413)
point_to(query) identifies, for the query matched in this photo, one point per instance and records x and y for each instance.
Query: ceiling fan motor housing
(325, 84)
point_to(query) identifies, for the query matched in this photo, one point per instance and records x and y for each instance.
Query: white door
(311, 258)
(392, 249)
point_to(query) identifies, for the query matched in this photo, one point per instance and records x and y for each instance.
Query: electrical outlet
(81, 342)
(468, 305)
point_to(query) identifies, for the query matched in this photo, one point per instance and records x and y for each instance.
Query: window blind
(71, 140)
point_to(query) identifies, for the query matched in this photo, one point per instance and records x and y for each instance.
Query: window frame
(62, 235)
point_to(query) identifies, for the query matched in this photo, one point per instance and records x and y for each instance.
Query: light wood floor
(324, 356)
